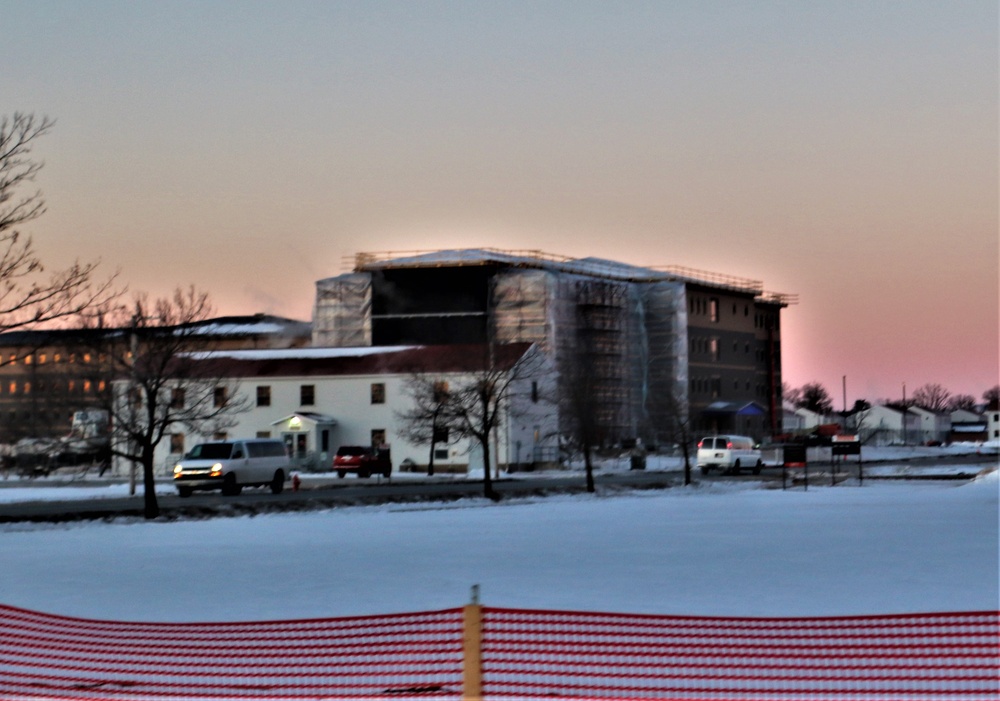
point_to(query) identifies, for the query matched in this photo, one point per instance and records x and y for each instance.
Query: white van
(729, 453)
(232, 465)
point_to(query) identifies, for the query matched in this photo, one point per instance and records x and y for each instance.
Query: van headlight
(216, 470)
(178, 470)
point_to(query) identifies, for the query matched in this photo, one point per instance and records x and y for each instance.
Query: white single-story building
(318, 399)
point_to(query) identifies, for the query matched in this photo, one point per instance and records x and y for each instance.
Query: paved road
(318, 494)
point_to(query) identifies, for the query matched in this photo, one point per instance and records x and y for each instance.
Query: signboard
(794, 455)
(846, 445)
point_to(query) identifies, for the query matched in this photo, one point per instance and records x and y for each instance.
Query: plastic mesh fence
(398, 656)
(525, 654)
(596, 655)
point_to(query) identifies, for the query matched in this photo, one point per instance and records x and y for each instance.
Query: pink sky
(846, 153)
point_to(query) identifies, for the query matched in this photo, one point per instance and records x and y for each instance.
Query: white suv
(729, 454)
(232, 465)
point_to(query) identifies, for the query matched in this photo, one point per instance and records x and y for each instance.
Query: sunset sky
(845, 151)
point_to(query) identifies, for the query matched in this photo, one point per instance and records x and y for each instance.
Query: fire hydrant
(296, 482)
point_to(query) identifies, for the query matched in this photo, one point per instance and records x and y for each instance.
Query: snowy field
(719, 548)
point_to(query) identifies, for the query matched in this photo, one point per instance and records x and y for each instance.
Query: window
(534, 392)
(220, 398)
(26, 387)
(378, 437)
(264, 395)
(42, 358)
(220, 436)
(177, 398)
(307, 395)
(13, 387)
(713, 309)
(713, 348)
(29, 359)
(440, 392)
(378, 393)
(441, 435)
(177, 443)
(265, 434)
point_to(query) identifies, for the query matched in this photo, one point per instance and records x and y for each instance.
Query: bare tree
(791, 394)
(992, 396)
(478, 401)
(28, 298)
(425, 421)
(814, 397)
(932, 397)
(154, 353)
(962, 402)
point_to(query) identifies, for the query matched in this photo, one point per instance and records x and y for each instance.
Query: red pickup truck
(363, 460)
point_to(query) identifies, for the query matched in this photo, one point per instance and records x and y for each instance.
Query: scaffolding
(627, 324)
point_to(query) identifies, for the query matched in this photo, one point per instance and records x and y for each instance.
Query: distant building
(993, 421)
(318, 399)
(46, 376)
(662, 343)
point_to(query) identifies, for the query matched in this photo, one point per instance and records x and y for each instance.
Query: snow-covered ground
(719, 548)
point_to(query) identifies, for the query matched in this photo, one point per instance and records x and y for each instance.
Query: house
(993, 422)
(967, 427)
(318, 399)
(934, 427)
(884, 425)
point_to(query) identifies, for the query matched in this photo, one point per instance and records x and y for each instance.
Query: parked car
(730, 454)
(363, 460)
(232, 465)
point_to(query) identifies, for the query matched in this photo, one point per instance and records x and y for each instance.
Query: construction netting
(596, 655)
(507, 653)
(53, 657)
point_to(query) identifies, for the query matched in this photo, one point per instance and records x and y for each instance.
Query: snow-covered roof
(595, 267)
(363, 360)
(299, 353)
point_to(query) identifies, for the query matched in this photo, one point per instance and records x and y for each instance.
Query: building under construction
(667, 349)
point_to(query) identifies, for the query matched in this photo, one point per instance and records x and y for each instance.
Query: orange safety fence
(485, 652)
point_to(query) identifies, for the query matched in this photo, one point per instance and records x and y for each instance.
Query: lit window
(440, 392)
(29, 359)
(42, 358)
(713, 309)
